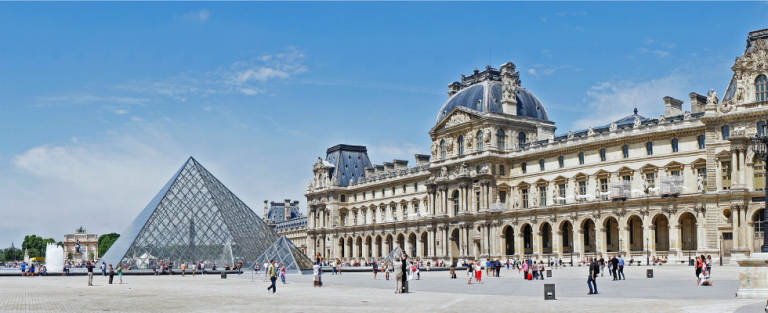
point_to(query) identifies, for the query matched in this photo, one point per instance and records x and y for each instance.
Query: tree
(33, 242)
(106, 241)
(90, 256)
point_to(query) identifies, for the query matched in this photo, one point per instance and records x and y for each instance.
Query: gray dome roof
(486, 97)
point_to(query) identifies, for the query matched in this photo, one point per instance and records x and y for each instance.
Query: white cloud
(88, 98)
(649, 40)
(207, 108)
(661, 53)
(545, 69)
(571, 13)
(121, 112)
(388, 151)
(669, 45)
(136, 119)
(532, 71)
(245, 77)
(610, 101)
(547, 52)
(101, 186)
(199, 16)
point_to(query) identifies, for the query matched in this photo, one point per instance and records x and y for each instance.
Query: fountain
(54, 258)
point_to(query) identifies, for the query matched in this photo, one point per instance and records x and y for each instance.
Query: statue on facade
(570, 134)
(310, 188)
(638, 122)
(700, 183)
(687, 115)
(488, 134)
(434, 149)
(77, 246)
(534, 198)
(712, 98)
(444, 172)
(515, 203)
(662, 119)
(591, 131)
(646, 187)
(613, 127)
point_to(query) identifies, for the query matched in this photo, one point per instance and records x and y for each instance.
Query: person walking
(470, 273)
(183, 268)
(375, 269)
(282, 272)
(111, 273)
(120, 272)
(621, 268)
(614, 267)
(272, 277)
(338, 267)
(23, 269)
(387, 268)
(398, 269)
(535, 270)
(709, 264)
(602, 266)
(525, 270)
(507, 264)
(31, 269)
(592, 280)
(479, 272)
(103, 268)
(404, 261)
(316, 270)
(541, 270)
(90, 273)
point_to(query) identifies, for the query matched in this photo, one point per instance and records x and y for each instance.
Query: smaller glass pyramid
(391, 256)
(283, 251)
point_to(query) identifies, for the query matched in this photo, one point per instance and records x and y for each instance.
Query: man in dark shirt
(615, 267)
(602, 266)
(90, 273)
(592, 280)
(405, 271)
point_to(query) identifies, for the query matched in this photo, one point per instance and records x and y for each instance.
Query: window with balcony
(582, 190)
(442, 149)
(524, 167)
(501, 140)
(461, 145)
(543, 195)
(502, 171)
(726, 132)
(525, 198)
(479, 140)
(561, 193)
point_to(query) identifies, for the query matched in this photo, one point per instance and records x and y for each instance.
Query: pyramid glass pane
(285, 252)
(193, 218)
(395, 252)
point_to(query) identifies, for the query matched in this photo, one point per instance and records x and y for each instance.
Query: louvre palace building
(499, 182)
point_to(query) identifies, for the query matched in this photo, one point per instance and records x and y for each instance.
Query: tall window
(343, 198)
(649, 148)
(503, 196)
(521, 138)
(461, 145)
(726, 131)
(477, 200)
(581, 157)
(543, 195)
(674, 145)
(761, 90)
(524, 167)
(625, 151)
(525, 198)
(761, 128)
(582, 189)
(758, 222)
(561, 193)
(651, 179)
(501, 140)
(442, 149)
(759, 169)
(541, 164)
(502, 171)
(561, 161)
(416, 207)
(603, 188)
(456, 203)
(725, 168)
(602, 155)
(700, 139)
(479, 140)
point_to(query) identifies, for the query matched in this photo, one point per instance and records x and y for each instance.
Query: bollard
(549, 273)
(223, 274)
(649, 272)
(549, 292)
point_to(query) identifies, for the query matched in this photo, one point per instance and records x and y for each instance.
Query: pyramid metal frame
(283, 251)
(397, 251)
(193, 218)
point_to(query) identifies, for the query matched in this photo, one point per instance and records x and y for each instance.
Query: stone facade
(286, 220)
(88, 243)
(500, 182)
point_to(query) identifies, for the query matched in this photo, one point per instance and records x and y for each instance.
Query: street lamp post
(647, 252)
(689, 251)
(760, 147)
(721, 250)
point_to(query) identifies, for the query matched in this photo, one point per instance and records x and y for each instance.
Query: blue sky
(100, 103)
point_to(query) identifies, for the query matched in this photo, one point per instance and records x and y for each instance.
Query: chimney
(379, 169)
(370, 172)
(697, 102)
(389, 167)
(673, 106)
(422, 159)
(400, 164)
(509, 81)
(287, 209)
(266, 210)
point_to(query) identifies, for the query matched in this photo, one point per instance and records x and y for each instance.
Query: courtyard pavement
(673, 289)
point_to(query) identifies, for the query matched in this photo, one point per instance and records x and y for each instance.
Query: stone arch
(588, 234)
(359, 247)
(411, 244)
(389, 244)
(508, 239)
(527, 231)
(686, 225)
(424, 245)
(545, 228)
(635, 224)
(378, 249)
(660, 224)
(342, 247)
(368, 253)
(567, 234)
(400, 241)
(454, 245)
(612, 240)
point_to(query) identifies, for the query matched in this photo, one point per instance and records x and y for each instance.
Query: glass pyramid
(285, 252)
(391, 256)
(193, 218)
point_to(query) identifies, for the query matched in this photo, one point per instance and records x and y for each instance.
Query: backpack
(596, 268)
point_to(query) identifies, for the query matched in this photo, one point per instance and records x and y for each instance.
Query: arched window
(581, 157)
(479, 140)
(461, 145)
(761, 88)
(541, 164)
(561, 161)
(521, 138)
(726, 131)
(501, 140)
(456, 203)
(442, 149)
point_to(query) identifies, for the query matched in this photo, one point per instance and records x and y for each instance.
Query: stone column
(420, 248)
(736, 167)
(651, 240)
(578, 243)
(537, 243)
(737, 238)
(519, 244)
(625, 241)
(675, 239)
(557, 244)
(743, 167)
(601, 246)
